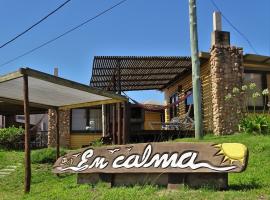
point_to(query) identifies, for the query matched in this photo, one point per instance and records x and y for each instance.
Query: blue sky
(138, 27)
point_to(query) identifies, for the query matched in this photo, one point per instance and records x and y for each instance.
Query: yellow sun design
(232, 152)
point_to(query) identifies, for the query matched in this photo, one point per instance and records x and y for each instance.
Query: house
(27, 91)
(221, 69)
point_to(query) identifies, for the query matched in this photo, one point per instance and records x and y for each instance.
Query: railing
(39, 139)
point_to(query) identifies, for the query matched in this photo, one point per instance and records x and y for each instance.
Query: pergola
(129, 73)
(34, 91)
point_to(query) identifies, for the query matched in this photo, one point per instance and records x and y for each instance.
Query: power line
(63, 34)
(234, 27)
(35, 24)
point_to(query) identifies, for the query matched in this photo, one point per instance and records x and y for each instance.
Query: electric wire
(35, 24)
(234, 27)
(65, 33)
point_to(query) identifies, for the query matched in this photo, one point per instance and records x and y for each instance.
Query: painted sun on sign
(156, 158)
(232, 152)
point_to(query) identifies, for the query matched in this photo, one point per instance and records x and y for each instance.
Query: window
(189, 103)
(79, 119)
(256, 78)
(86, 120)
(174, 109)
(95, 119)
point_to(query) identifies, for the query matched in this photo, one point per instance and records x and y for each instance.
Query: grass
(254, 183)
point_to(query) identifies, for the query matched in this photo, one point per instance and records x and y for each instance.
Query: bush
(47, 155)
(255, 124)
(10, 136)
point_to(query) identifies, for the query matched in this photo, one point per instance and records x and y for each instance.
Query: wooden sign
(156, 158)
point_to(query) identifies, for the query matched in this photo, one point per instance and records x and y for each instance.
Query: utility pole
(196, 84)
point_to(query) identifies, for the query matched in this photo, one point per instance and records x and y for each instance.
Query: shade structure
(127, 73)
(47, 91)
(30, 88)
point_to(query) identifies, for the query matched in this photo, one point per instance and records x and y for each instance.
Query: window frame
(87, 121)
(187, 106)
(264, 86)
(174, 110)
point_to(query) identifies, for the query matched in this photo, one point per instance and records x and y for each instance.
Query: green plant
(10, 136)
(96, 143)
(47, 155)
(255, 124)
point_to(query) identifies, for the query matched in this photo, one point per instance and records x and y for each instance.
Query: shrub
(47, 155)
(252, 121)
(96, 143)
(10, 136)
(255, 124)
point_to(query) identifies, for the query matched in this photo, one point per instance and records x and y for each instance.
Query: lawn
(254, 183)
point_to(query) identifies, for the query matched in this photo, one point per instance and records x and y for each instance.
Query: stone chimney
(226, 73)
(55, 71)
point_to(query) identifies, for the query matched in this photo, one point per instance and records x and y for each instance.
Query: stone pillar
(51, 128)
(64, 128)
(227, 72)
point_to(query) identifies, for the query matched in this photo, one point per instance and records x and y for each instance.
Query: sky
(135, 28)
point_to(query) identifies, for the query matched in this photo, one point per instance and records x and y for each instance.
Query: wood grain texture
(156, 158)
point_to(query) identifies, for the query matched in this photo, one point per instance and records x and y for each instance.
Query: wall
(152, 117)
(186, 83)
(67, 139)
(77, 140)
(64, 130)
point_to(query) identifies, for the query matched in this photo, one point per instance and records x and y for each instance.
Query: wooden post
(196, 84)
(107, 120)
(57, 134)
(114, 123)
(104, 127)
(125, 122)
(27, 151)
(119, 131)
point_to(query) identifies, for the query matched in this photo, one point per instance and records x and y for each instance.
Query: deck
(159, 135)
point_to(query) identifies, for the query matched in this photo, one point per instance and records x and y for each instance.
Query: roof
(137, 72)
(47, 91)
(248, 58)
(257, 58)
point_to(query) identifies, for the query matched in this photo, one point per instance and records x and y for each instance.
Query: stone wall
(64, 128)
(227, 72)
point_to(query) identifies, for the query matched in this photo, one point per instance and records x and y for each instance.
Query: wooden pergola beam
(137, 74)
(144, 58)
(136, 68)
(138, 79)
(88, 104)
